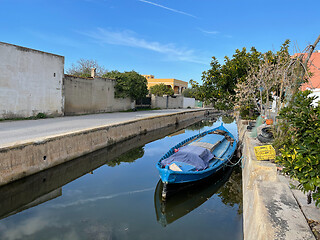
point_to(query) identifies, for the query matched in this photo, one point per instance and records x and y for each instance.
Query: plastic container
(269, 121)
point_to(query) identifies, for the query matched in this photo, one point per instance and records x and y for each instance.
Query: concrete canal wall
(35, 155)
(270, 210)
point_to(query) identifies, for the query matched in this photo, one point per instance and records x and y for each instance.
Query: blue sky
(166, 38)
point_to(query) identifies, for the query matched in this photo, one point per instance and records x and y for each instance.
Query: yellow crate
(265, 152)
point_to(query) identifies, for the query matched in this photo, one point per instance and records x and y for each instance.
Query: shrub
(41, 115)
(161, 89)
(299, 143)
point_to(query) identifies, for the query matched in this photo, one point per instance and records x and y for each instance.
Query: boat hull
(169, 177)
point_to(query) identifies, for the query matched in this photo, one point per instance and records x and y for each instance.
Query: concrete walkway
(271, 209)
(17, 132)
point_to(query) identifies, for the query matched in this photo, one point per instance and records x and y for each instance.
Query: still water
(114, 194)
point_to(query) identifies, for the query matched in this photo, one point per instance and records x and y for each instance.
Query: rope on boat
(219, 158)
(234, 164)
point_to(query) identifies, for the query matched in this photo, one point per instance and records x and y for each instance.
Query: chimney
(93, 72)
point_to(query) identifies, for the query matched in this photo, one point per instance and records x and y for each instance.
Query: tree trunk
(267, 103)
(261, 112)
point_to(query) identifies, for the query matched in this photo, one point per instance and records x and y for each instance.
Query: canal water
(114, 194)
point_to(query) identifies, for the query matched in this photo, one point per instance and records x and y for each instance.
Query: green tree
(227, 119)
(114, 74)
(129, 84)
(219, 82)
(127, 157)
(199, 91)
(83, 68)
(161, 89)
(189, 93)
(263, 77)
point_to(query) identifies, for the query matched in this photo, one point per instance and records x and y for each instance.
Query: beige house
(177, 85)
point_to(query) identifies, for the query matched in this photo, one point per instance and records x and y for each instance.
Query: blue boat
(197, 157)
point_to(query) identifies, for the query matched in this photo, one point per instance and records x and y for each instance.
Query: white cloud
(215, 33)
(111, 196)
(209, 32)
(27, 227)
(167, 8)
(130, 39)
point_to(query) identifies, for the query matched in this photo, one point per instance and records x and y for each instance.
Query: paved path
(12, 132)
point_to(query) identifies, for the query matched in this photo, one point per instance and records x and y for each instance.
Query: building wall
(316, 93)
(313, 83)
(189, 102)
(172, 102)
(180, 83)
(177, 85)
(155, 81)
(314, 66)
(92, 95)
(30, 82)
(198, 104)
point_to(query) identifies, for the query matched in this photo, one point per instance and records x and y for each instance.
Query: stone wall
(30, 82)
(92, 95)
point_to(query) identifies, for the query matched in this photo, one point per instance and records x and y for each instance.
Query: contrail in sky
(170, 9)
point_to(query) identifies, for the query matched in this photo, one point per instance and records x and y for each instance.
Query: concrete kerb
(270, 210)
(21, 159)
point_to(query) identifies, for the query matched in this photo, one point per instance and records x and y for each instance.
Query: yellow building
(177, 85)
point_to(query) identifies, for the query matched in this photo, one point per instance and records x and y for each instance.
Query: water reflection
(187, 197)
(231, 192)
(177, 133)
(128, 157)
(117, 200)
(227, 119)
(206, 122)
(46, 185)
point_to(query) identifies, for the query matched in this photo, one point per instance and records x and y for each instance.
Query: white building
(315, 93)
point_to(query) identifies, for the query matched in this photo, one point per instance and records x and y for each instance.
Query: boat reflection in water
(185, 198)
